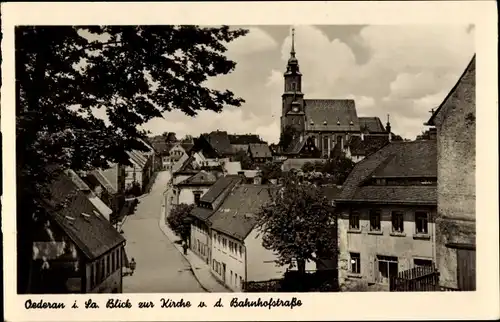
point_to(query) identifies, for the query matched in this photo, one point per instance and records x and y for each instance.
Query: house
(386, 212)
(455, 127)
(190, 190)
(318, 125)
(77, 250)
(176, 151)
(237, 252)
(361, 146)
(107, 188)
(214, 145)
(185, 168)
(260, 152)
(200, 242)
(140, 171)
(101, 207)
(241, 142)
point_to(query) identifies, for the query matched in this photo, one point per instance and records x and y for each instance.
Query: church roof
(331, 115)
(371, 124)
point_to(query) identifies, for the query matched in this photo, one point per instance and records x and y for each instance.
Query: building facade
(386, 214)
(77, 250)
(456, 217)
(190, 190)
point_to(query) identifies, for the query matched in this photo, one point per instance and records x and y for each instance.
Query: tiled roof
(202, 178)
(161, 147)
(331, 191)
(469, 73)
(187, 146)
(236, 216)
(337, 113)
(260, 150)
(219, 141)
(368, 145)
(219, 186)
(187, 165)
(91, 232)
(244, 138)
(396, 160)
(371, 124)
(296, 145)
(202, 213)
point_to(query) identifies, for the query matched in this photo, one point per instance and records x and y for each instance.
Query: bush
(133, 189)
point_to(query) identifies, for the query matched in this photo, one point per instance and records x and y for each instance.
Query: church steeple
(292, 52)
(293, 63)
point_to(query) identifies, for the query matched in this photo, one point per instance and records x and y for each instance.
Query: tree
(270, 171)
(244, 159)
(131, 73)
(178, 220)
(298, 224)
(339, 167)
(286, 137)
(308, 167)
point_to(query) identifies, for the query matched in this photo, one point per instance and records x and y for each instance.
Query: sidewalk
(199, 268)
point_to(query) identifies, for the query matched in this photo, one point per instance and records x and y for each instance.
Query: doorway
(386, 268)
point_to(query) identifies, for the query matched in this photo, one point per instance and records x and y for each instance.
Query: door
(466, 269)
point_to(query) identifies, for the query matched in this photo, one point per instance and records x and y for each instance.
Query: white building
(190, 190)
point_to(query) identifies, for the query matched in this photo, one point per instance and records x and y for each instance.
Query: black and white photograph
(244, 158)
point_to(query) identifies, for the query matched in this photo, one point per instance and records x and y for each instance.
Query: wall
(370, 244)
(180, 177)
(200, 236)
(235, 262)
(456, 130)
(261, 264)
(112, 284)
(186, 194)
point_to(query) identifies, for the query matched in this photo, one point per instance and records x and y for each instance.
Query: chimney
(432, 133)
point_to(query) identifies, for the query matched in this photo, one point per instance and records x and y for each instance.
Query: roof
(232, 167)
(101, 178)
(90, 232)
(161, 146)
(371, 124)
(399, 159)
(469, 71)
(111, 175)
(219, 186)
(202, 178)
(297, 144)
(236, 216)
(219, 140)
(331, 192)
(366, 146)
(137, 158)
(244, 138)
(186, 165)
(260, 150)
(338, 114)
(187, 146)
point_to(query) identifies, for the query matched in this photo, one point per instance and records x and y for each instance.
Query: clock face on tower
(295, 109)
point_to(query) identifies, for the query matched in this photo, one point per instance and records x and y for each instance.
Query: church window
(294, 86)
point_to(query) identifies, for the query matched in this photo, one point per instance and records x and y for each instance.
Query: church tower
(292, 113)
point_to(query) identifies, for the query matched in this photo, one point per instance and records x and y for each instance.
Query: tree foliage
(66, 75)
(178, 219)
(271, 170)
(336, 169)
(286, 137)
(244, 159)
(298, 224)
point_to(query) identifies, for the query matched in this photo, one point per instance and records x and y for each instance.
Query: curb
(160, 225)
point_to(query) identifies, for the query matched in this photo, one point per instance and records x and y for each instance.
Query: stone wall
(456, 137)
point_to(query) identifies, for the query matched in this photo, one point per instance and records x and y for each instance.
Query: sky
(403, 71)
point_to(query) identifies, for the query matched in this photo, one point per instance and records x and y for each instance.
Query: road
(160, 266)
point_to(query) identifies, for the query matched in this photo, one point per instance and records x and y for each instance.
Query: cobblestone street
(160, 266)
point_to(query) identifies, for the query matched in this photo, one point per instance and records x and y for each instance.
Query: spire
(292, 52)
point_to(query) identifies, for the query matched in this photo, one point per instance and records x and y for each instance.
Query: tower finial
(388, 121)
(293, 43)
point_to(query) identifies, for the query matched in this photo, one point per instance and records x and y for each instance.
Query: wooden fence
(418, 279)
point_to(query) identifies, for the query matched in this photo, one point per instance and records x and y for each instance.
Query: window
(387, 268)
(294, 86)
(421, 222)
(418, 262)
(231, 246)
(375, 220)
(397, 222)
(354, 220)
(241, 251)
(355, 263)
(197, 196)
(231, 277)
(218, 238)
(235, 279)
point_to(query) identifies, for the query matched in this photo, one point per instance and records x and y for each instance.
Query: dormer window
(312, 122)
(351, 123)
(324, 122)
(338, 122)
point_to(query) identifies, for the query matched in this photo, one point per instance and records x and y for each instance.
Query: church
(319, 128)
